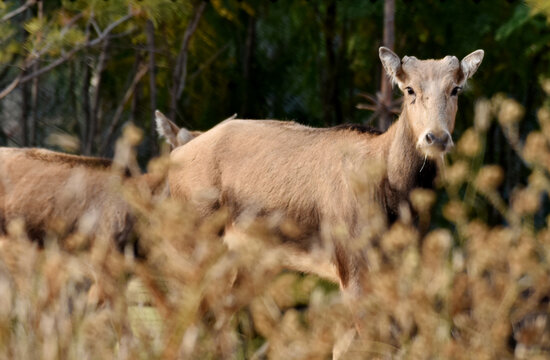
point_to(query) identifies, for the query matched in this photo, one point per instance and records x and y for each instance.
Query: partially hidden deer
(62, 194)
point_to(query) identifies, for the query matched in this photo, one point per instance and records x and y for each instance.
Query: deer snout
(442, 141)
(435, 143)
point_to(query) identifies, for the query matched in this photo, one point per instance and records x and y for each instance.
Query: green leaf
(35, 25)
(521, 16)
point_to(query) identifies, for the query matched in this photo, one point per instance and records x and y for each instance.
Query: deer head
(431, 89)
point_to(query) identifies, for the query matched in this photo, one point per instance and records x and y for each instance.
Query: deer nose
(442, 141)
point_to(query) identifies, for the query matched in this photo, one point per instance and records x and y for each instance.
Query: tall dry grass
(464, 291)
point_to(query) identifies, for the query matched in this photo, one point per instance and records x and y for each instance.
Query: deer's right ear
(392, 64)
(471, 62)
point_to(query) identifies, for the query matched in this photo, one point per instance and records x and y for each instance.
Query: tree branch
(34, 87)
(180, 71)
(23, 79)
(191, 28)
(8, 89)
(150, 32)
(101, 64)
(110, 28)
(17, 11)
(386, 117)
(209, 61)
(118, 113)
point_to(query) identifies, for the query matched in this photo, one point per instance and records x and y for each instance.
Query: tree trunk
(34, 112)
(101, 64)
(386, 117)
(24, 114)
(136, 99)
(85, 106)
(179, 75)
(108, 135)
(248, 58)
(34, 88)
(24, 125)
(332, 109)
(74, 127)
(150, 32)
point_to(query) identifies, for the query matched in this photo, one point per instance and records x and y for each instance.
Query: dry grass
(461, 292)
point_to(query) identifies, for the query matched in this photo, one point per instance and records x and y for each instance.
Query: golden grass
(464, 291)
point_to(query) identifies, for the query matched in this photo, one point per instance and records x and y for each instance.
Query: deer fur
(53, 191)
(272, 168)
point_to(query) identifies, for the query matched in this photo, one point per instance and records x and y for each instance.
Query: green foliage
(521, 16)
(301, 60)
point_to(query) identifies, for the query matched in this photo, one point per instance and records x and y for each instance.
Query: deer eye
(455, 91)
(410, 91)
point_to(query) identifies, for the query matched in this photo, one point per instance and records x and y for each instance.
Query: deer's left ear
(470, 63)
(167, 129)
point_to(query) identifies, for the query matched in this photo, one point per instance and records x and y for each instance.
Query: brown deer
(306, 175)
(63, 194)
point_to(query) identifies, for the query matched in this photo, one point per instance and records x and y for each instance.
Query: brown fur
(70, 160)
(306, 174)
(54, 192)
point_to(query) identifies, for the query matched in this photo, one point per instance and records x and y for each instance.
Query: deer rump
(59, 194)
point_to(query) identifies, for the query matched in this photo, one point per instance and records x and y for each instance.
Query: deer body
(301, 170)
(306, 174)
(55, 191)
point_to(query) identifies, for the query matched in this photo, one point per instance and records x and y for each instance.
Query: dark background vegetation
(308, 61)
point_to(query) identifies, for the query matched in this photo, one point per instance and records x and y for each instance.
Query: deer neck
(407, 168)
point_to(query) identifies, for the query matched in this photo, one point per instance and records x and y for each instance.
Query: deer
(305, 175)
(63, 194)
(77, 200)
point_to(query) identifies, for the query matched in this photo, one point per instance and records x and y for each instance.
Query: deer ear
(470, 63)
(167, 129)
(392, 64)
(184, 136)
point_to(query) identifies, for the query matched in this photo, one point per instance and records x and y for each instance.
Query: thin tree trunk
(74, 127)
(332, 109)
(34, 112)
(134, 111)
(108, 138)
(150, 32)
(247, 66)
(344, 74)
(25, 88)
(136, 99)
(101, 64)
(34, 89)
(86, 107)
(85, 128)
(386, 117)
(24, 114)
(180, 70)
